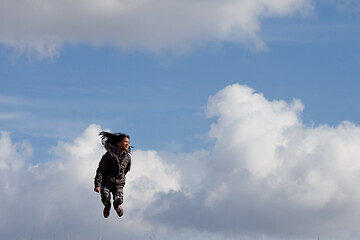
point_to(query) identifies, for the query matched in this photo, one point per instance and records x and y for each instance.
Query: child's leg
(105, 196)
(118, 199)
(118, 196)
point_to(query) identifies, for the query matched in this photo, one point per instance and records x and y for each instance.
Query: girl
(113, 167)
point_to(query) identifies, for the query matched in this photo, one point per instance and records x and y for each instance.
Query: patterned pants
(117, 193)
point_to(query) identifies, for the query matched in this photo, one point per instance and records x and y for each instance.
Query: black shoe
(106, 211)
(119, 211)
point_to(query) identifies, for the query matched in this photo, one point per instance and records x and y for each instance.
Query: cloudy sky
(242, 112)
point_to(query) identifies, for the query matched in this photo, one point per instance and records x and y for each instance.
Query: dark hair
(111, 139)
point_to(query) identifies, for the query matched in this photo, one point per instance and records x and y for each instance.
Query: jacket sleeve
(100, 171)
(128, 167)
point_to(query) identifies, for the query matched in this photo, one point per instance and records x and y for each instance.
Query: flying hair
(110, 140)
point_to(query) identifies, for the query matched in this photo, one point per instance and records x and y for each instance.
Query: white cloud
(248, 120)
(151, 175)
(57, 198)
(268, 176)
(156, 25)
(13, 156)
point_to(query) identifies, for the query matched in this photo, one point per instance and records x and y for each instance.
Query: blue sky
(59, 77)
(314, 59)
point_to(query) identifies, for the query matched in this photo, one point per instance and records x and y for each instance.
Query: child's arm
(99, 173)
(128, 167)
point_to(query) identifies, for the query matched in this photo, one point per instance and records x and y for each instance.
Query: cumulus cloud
(42, 27)
(56, 198)
(271, 175)
(13, 156)
(267, 176)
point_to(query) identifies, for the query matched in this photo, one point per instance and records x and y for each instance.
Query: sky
(242, 114)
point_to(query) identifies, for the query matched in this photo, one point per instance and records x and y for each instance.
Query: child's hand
(97, 189)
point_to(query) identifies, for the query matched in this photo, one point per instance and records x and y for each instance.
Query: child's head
(124, 144)
(118, 140)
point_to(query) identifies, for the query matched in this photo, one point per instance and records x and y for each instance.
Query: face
(124, 144)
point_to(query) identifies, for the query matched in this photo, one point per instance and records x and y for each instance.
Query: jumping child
(113, 166)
